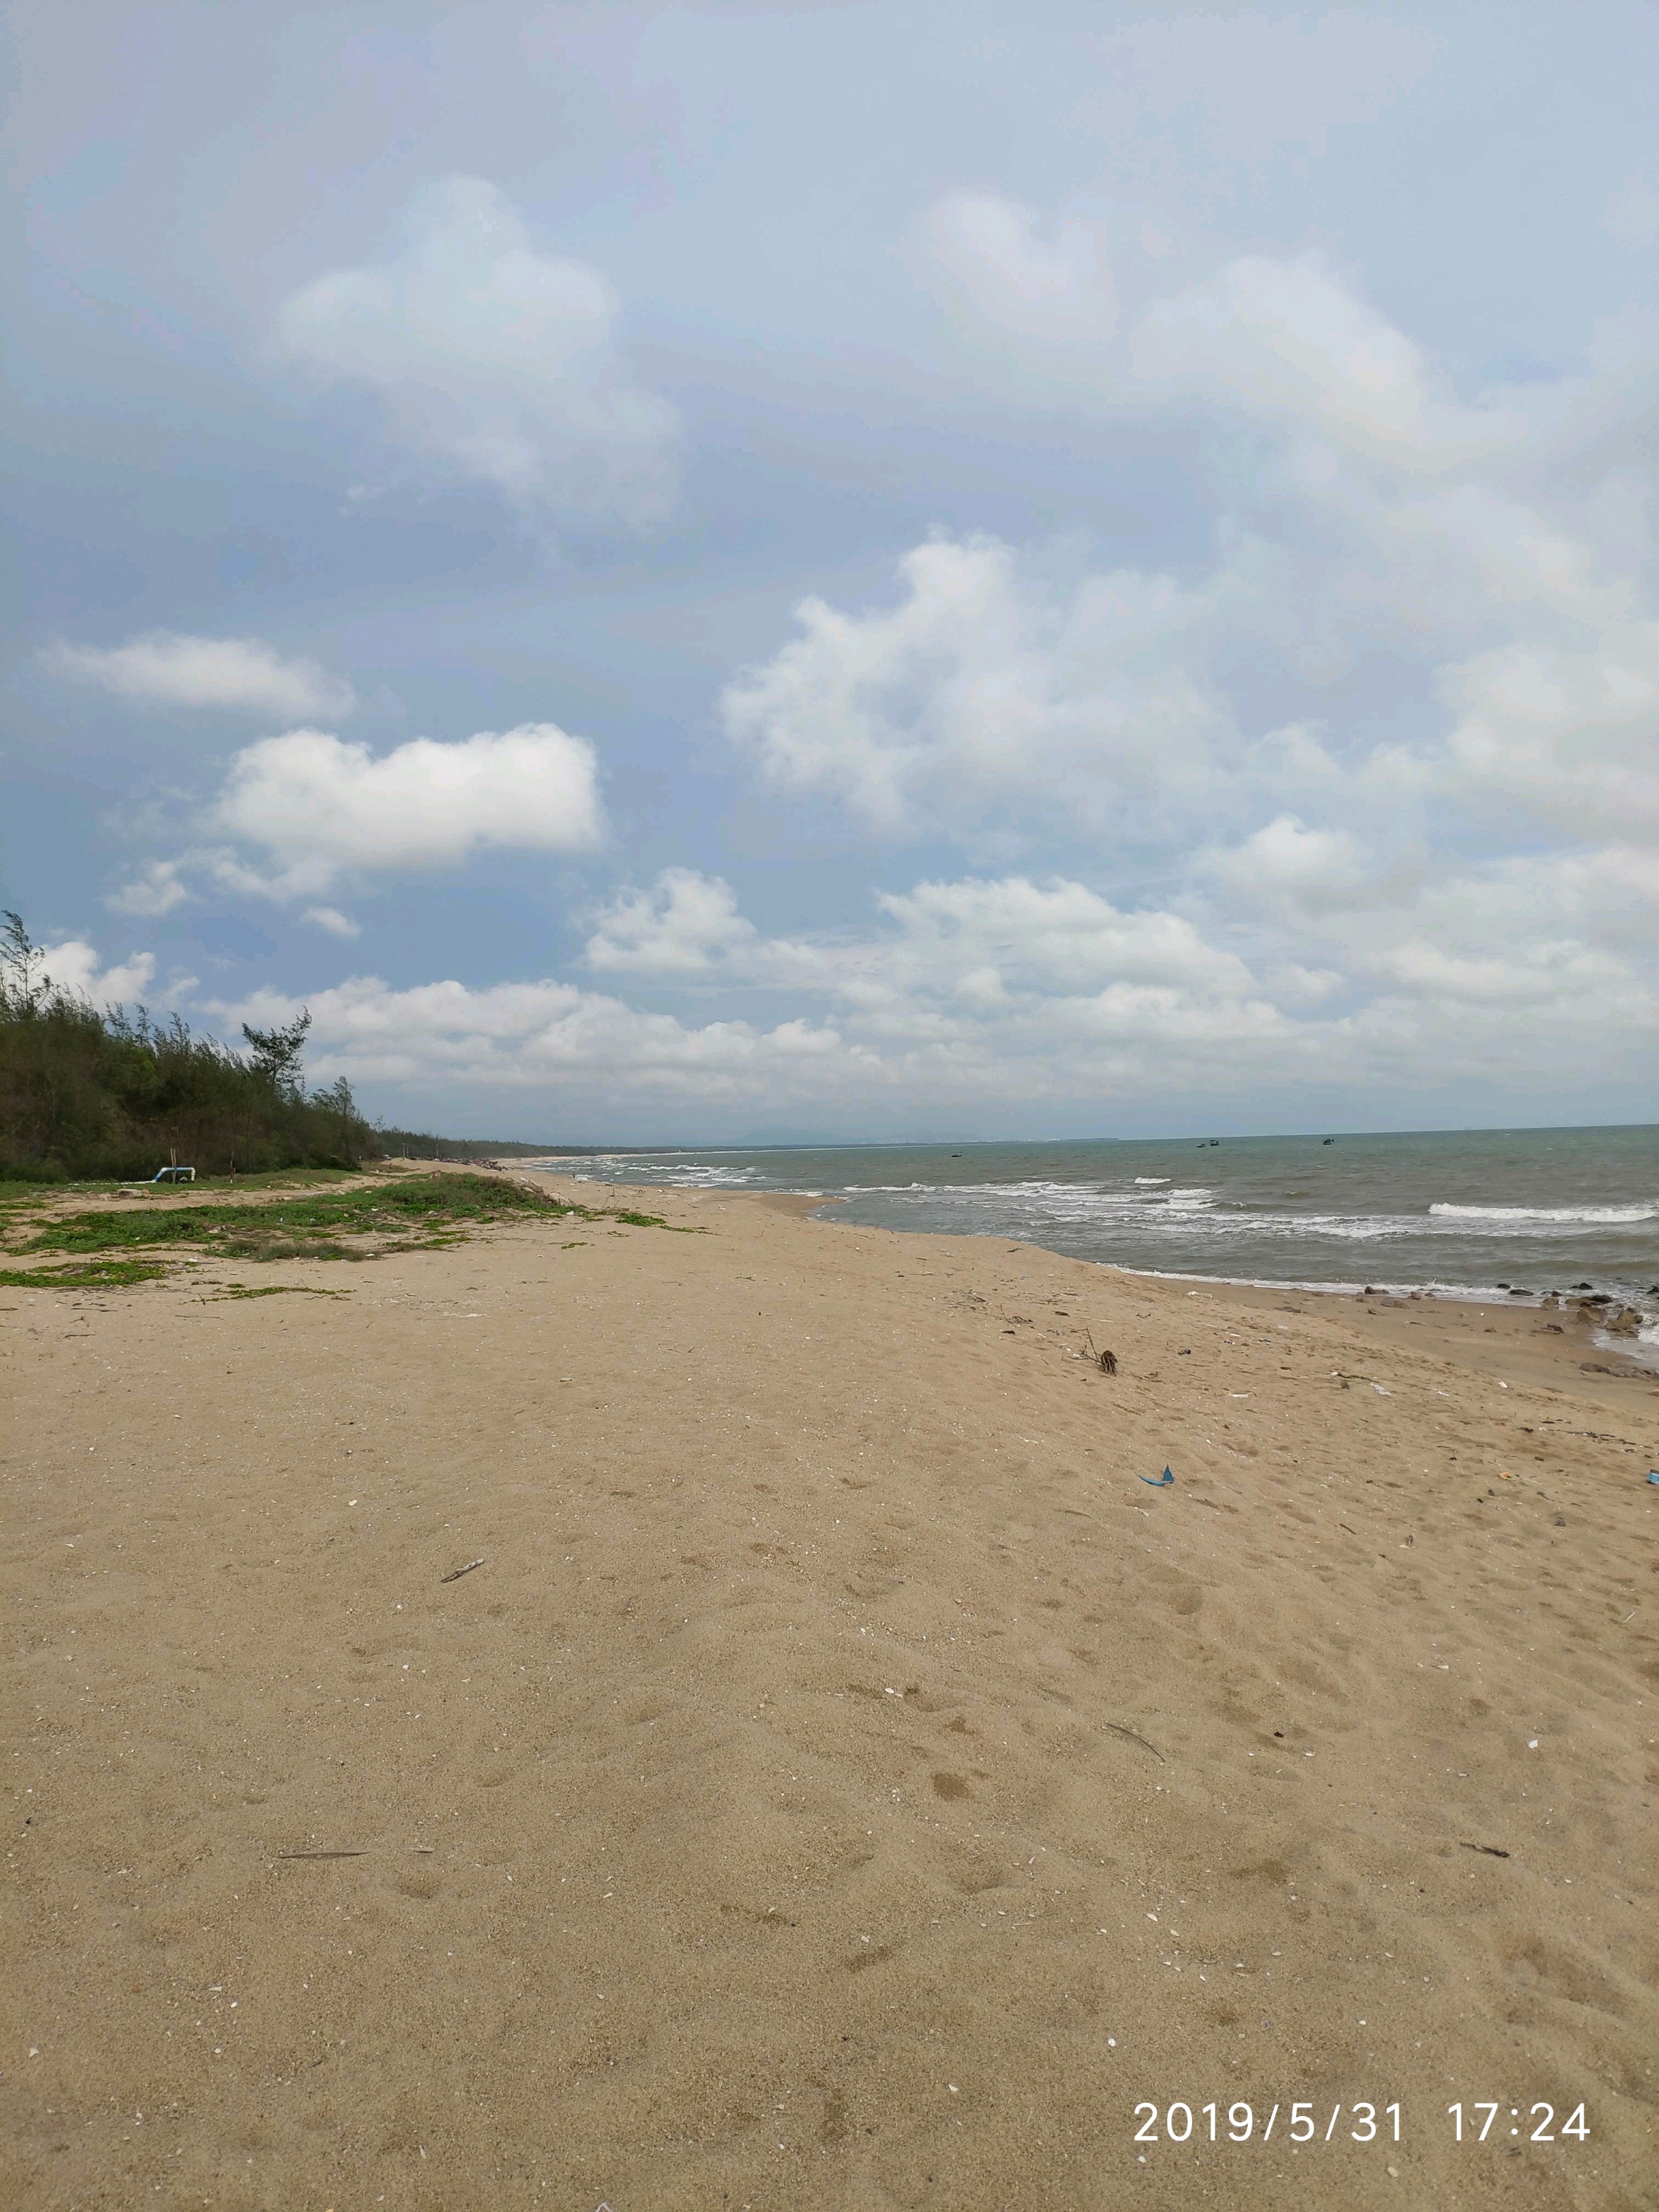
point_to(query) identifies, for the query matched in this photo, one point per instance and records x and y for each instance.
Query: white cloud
(1467, 889)
(1533, 975)
(331, 919)
(981, 681)
(1058, 938)
(1570, 737)
(1006, 275)
(548, 1034)
(242, 675)
(1289, 339)
(155, 889)
(990, 997)
(319, 808)
(495, 361)
(1285, 869)
(75, 966)
(990, 939)
(678, 927)
(1490, 559)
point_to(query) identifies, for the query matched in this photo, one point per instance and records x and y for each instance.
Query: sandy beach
(839, 1778)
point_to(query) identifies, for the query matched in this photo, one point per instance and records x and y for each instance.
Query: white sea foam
(1552, 1216)
(1244, 1225)
(1643, 1348)
(671, 1174)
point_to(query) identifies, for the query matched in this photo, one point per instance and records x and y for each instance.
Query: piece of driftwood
(322, 1855)
(455, 1573)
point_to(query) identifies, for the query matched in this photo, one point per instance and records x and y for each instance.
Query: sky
(739, 573)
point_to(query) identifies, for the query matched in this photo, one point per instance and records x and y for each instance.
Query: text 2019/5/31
(1241, 2123)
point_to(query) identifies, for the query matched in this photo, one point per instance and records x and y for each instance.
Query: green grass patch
(91, 1275)
(418, 1213)
(272, 1179)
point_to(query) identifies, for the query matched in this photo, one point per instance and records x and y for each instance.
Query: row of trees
(86, 1091)
(421, 1145)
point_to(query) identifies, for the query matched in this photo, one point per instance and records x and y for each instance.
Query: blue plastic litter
(1163, 1481)
(1653, 1474)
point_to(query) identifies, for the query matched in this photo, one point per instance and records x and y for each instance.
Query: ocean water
(1458, 1213)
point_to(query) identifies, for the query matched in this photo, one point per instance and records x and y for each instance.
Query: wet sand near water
(1553, 1347)
(842, 1782)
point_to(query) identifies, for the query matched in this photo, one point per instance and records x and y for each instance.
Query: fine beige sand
(844, 1783)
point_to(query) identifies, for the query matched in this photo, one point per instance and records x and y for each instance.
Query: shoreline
(1564, 1355)
(1448, 1212)
(594, 1714)
(1561, 1355)
(1627, 1349)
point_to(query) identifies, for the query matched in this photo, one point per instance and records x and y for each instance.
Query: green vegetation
(85, 1092)
(89, 1096)
(362, 1208)
(416, 1212)
(91, 1275)
(421, 1145)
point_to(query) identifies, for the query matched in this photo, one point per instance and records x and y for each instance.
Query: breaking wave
(1568, 1217)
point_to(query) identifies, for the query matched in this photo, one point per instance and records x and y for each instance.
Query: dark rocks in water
(1502, 1286)
(1584, 1286)
(1518, 1294)
(1327, 1140)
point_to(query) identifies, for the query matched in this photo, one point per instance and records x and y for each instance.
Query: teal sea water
(1461, 1213)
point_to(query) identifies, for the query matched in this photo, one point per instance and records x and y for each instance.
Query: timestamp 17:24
(1574, 2124)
